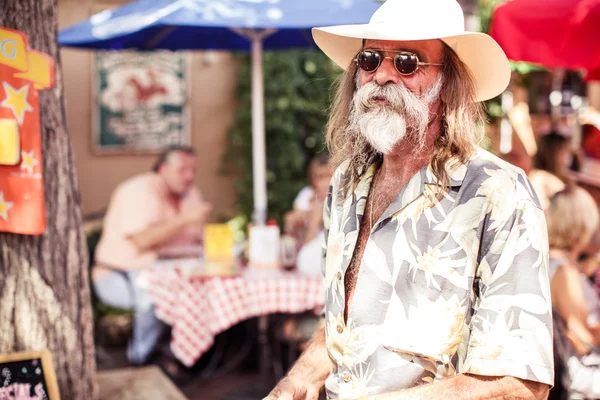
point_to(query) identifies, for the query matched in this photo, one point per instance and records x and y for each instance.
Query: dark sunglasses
(406, 63)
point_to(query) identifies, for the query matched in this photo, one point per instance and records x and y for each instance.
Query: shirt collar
(455, 169)
(414, 188)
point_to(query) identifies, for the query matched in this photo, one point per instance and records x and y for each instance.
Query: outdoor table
(198, 307)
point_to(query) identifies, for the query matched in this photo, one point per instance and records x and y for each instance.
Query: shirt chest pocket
(428, 329)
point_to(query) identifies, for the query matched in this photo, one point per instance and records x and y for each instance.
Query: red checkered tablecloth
(200, 308)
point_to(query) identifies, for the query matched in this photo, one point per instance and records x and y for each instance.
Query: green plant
(297, 87)
(485, 10)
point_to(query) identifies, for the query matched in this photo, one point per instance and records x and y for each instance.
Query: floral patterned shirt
(458, 285)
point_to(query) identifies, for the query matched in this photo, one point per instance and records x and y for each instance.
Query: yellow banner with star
(40, 71)
(23, 72)
(31, 65)
(13, 49)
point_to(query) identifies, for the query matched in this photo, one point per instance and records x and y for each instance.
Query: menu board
(27, 376)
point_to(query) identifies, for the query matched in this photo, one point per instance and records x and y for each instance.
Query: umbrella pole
(259, 162)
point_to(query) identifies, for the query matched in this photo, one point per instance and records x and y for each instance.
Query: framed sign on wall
(141, 102)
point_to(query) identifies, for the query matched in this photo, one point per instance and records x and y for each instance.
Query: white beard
(386, 125)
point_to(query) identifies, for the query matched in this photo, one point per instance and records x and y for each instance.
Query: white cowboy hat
(422, 20)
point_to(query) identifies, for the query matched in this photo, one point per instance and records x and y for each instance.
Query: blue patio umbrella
(245, 25)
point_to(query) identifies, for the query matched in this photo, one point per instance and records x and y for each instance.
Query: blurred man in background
(148, 215)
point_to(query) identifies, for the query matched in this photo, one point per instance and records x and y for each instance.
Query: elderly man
(435, 256)
(148, 214)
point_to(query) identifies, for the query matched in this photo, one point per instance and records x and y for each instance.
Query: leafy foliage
(297, 87)
(485, 9)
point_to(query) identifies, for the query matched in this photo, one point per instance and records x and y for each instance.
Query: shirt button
(347, 377)
(340, 329)
(339, 276)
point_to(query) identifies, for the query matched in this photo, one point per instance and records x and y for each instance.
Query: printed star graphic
(4, 207)
(16, 100)
(28, 161)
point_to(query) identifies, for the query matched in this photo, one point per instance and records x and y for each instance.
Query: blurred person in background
(597, 277)
(306, 219)
(590, 261)
(148, 215)
(550, 166)
(308, 216)
(518, 156)
(573, 218)
(591, 141)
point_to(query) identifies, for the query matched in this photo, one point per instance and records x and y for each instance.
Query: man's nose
(386, 73)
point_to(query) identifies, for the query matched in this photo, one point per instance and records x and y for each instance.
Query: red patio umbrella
(593, 75)
(554, 33)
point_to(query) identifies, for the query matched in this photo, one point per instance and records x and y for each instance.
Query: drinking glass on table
(289, 252)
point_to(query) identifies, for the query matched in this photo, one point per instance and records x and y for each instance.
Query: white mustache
(402, 113)
(398, 97)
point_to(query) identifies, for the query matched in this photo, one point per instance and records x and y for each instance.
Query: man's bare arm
(307, 376)
(158, 233)
(161, 232)
(474, 387)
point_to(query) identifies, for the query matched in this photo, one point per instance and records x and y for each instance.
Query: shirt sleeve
(303, 200)
(309, 257)
(511, 326)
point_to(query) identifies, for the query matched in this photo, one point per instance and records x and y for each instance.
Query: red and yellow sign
(23, 72)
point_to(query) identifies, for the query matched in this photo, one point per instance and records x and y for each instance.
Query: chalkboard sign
(28, 375)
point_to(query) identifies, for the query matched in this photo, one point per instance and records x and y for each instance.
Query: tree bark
(44, 285)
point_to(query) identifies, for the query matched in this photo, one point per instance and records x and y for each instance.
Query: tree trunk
(44, 286)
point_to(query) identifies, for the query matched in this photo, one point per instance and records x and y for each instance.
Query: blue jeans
(116, 291)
